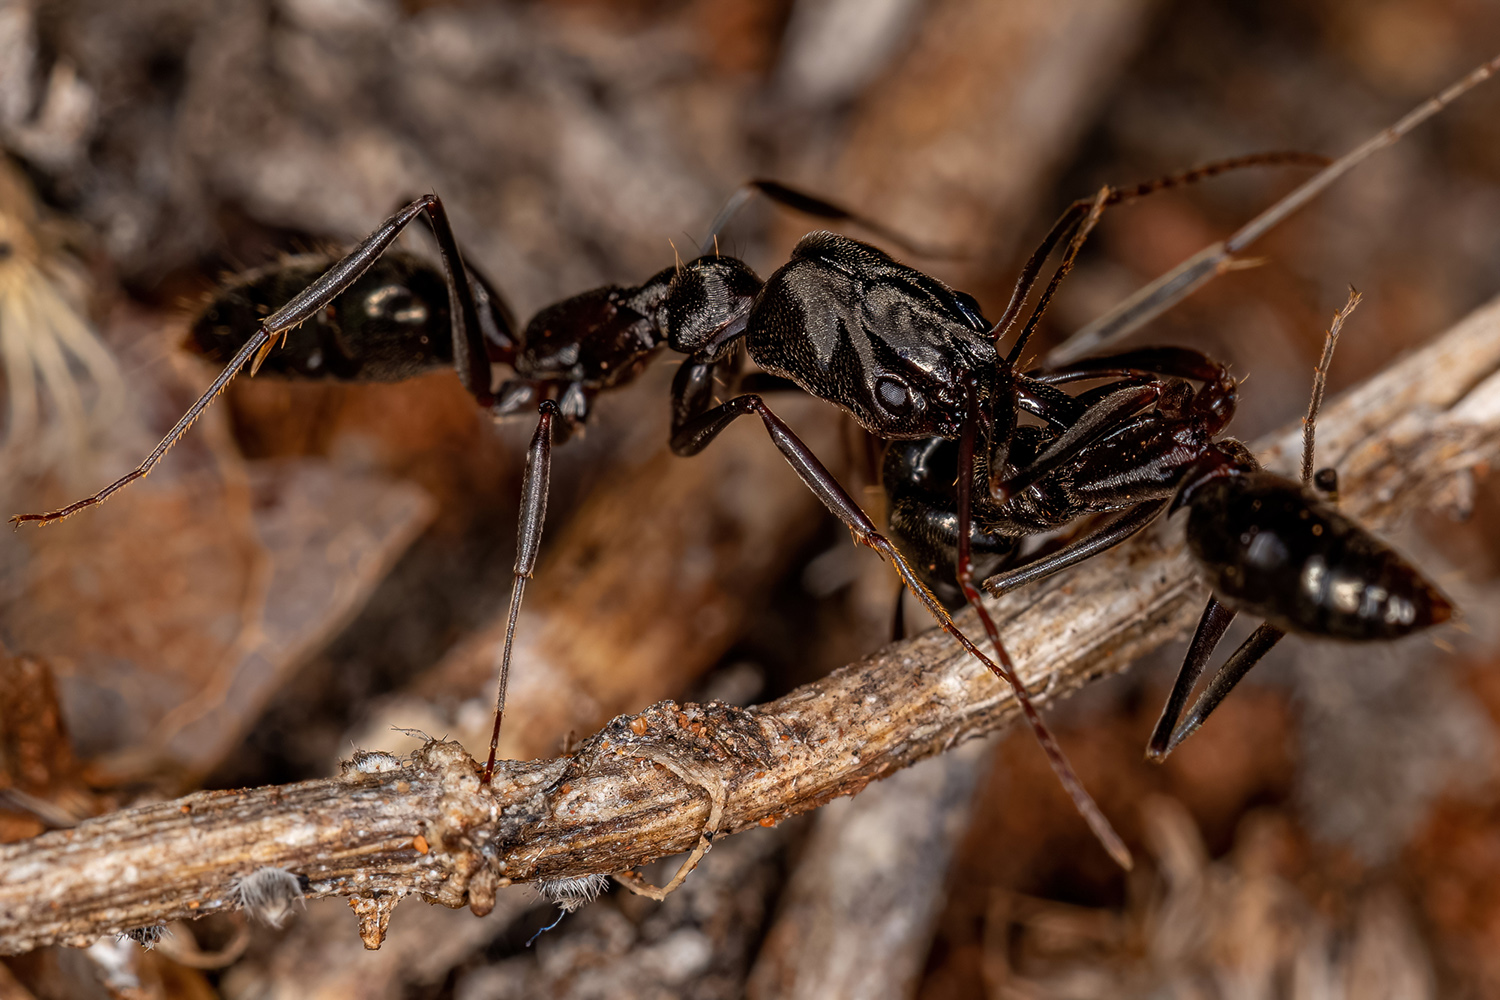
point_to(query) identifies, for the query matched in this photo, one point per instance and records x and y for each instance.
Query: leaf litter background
(319, 563)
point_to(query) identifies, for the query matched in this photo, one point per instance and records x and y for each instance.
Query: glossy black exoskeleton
(1295, 561)
(909, 358)
(391, 324)
(1267, 545)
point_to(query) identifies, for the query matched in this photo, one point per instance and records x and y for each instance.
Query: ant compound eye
(893, 396)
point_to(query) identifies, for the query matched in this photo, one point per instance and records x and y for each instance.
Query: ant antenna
(1320, 384)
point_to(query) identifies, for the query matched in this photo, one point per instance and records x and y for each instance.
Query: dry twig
(388, 828)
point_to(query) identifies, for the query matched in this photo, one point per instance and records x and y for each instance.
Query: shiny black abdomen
(1274, 550)
(390, 325)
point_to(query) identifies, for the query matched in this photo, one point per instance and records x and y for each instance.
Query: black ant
(907, 357)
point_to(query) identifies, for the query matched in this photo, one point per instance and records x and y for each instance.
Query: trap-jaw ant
(910, 359)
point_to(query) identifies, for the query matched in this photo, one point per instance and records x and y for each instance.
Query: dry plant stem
(426, 827)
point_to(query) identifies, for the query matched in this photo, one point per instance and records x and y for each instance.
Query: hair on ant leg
(267, 894)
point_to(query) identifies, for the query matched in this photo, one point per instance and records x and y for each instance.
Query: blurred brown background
(318, 563)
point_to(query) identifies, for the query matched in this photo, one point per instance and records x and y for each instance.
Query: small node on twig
(374, 913)
(267, 894)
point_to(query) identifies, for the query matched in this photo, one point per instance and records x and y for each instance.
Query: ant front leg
(696, 434)
(470, 354)
(534, 490)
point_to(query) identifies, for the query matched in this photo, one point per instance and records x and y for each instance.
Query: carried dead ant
(909, 358)
(1268, 545)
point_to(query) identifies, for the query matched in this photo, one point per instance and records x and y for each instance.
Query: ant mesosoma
(913, 361)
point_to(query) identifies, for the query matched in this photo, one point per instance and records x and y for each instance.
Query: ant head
(893, 346)
(708, 302)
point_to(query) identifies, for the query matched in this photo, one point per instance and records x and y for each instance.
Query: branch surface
(642, 787)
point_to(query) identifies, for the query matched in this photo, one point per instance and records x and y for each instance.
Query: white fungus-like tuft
(570, 894)
(267, 894)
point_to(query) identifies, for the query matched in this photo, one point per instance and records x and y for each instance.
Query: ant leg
(1234, 669)
(469, 354)
(818, 208)
(1216, 618)
(694, 425)
(1168, 734)
(1106, 415)
(1077, 551)
(534, 486)
(1005, 668)
(1178, 362)
(1320, 385)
